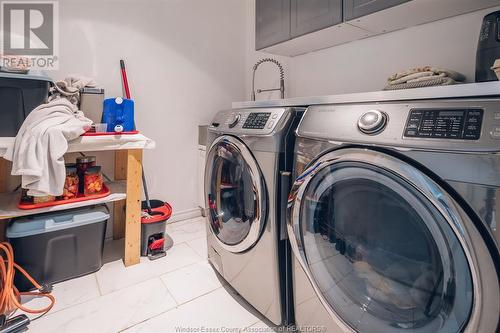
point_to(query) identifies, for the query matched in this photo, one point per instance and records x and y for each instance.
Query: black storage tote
(58, 246)
(20, 94)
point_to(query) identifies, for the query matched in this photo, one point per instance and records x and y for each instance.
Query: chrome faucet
(282, 78)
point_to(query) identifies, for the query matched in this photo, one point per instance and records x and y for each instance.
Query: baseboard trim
(185, 215)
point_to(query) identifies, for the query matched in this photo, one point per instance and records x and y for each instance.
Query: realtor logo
(30, 34)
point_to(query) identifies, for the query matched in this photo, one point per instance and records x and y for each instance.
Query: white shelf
(9, 201)
(96, 143)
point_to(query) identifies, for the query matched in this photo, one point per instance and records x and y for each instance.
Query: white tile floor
(178, 291)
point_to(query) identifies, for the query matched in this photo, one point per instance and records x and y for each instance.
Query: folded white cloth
(435, 70)
(426, 76)
(422, 82)
(40, 145)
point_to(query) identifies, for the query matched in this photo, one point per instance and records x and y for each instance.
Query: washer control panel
(257, 120)
(462, 124)
(248, 121)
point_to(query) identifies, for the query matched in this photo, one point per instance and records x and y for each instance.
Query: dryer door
(388, 250)
(234, 191)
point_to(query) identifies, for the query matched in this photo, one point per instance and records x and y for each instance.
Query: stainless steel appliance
(488, 48)
(392, 217)
(247, 166)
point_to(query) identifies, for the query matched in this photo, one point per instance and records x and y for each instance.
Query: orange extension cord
(10, 297)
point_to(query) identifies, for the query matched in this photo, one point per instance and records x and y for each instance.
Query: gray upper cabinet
(357, 8)
(295, 27)
(311, 15)
(272, 22)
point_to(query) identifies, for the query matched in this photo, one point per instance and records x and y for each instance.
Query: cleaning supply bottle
(119, 114)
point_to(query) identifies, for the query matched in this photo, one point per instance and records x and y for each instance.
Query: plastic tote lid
(32, 75)
(39, 224)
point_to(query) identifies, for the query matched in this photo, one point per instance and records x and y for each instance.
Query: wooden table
(125, 190)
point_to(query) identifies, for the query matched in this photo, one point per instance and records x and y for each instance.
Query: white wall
(185, 61)
(364, 65)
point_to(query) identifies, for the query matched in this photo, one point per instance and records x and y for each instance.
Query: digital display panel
(462, 124)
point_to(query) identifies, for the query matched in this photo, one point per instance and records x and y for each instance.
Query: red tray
(104, 193)
(109, 133)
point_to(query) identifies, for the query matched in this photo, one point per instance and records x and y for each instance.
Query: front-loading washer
(248, 167)
(393, 218)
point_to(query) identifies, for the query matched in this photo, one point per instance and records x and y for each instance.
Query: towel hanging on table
(38, 152)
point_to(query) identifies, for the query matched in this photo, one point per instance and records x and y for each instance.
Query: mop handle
(127, 94)
(124, 78)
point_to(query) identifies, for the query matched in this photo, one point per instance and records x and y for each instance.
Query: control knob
(233, 120)
(372, 122)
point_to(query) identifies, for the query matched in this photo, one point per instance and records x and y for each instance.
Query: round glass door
(234, 193)
(382, 257)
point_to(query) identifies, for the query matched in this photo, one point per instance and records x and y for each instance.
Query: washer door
(234, 193)
(385, 248)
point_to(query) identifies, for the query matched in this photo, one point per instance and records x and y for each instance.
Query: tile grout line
(168, 291)
(151, 278)
(95, 298)
(51, 312)
(195, 298)
(192, 248)
(157, 315)
(98, 285)
(161, 273)
(258, 321)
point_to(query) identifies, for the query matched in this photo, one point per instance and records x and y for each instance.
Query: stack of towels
(426, 76)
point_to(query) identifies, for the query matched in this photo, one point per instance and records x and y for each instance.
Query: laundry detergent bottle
(118, 113)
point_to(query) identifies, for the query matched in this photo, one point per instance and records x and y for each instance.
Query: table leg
(133, 207)
(4, 174)
(119, 206)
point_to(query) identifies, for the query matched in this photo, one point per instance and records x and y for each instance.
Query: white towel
(69, 88)
(40, 145)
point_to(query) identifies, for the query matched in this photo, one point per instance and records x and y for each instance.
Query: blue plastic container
(119, 114)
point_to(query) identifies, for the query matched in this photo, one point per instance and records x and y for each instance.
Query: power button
(495, 132)
(372, 122)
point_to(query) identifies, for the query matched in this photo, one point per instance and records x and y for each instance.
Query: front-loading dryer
(392, 217)
(248, 166)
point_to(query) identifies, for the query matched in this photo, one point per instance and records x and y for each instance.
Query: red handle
(157, 244)
(124, 78)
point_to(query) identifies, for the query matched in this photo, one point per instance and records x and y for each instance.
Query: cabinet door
(311, 15)
(357, 8)
(272, 22)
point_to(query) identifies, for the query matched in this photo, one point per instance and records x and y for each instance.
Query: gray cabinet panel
(272, 22)
(358, 8)
(311, 15)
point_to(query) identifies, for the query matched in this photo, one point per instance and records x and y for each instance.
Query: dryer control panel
(465, 125)
(462, 124)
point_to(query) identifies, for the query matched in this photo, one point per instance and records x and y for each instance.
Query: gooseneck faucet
(282, 78)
